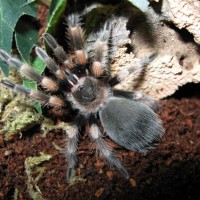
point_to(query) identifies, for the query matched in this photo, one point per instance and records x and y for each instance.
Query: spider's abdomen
(131, 124)
(89, 94)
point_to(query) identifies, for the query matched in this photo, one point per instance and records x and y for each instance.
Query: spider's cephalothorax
(89, 94)
(128, 117)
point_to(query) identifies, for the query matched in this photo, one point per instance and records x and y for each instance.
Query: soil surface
(169, 171)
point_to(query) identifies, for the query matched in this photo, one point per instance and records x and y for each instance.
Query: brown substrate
(169, 171)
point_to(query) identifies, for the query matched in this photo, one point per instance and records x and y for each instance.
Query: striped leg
(57, 49)
(136, 70)
(36, 95)
(137, 96)
(76, 37)
(50, 63)
(28, 72)
(72, 143)
(70, 149)
(101, 57)
(105, 150)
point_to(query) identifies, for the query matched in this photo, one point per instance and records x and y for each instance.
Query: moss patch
(17, 116)
(32, 168)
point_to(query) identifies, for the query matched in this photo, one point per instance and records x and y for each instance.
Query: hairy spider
(81, 83)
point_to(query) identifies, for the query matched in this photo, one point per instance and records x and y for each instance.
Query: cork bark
(172, 29)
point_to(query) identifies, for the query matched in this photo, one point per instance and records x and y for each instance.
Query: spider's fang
(75, 77)
(70, 82)
(71, 78)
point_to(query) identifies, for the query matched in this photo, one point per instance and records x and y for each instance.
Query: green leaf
(28, 2)
(30, 84)
(33, 86)
(26, 36)
(141, 4)
(38, 65)
(55, 13)
(38, 107)
(4, 68)
(10, 12)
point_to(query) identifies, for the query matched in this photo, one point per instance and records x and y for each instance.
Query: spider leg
(50, 63)
(71, 148)
(72, 143)
(137, 70)
(28, 72)
(57, 49)
(76, 36)
(115, 80)
(105, 150)
(101, 63)
(35, 94)
(137, 96)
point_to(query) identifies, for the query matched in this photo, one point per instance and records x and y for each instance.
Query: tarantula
(81, 83)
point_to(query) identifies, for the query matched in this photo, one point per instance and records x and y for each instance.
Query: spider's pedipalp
(105, 150)
(64, 75)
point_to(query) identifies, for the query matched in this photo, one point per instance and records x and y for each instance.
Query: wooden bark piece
(186, 14)
(160, 79)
